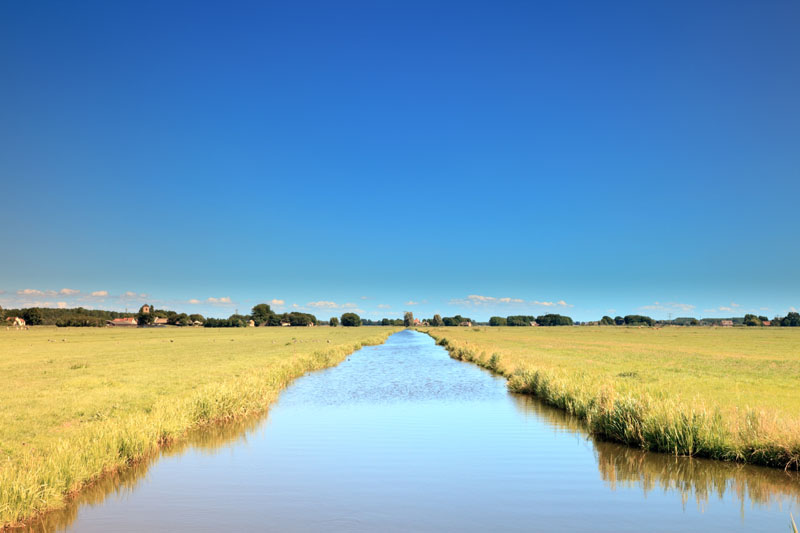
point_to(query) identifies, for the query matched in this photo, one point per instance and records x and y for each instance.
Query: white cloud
(100, 294)
(326, 304)
(412, 302)
(384, 306)
(478, 300)
(323, 304)
(194, 301)
(793, 310)
(669, 306)
(726, 308)
(30, 292)
(68, 292)
(61, 305)
(277, 303)
(222, 301)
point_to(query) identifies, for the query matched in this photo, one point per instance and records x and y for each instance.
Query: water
(402, 438)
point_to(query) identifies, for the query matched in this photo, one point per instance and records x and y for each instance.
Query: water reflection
(695, 479)
(208, 440)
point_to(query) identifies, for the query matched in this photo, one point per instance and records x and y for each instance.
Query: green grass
(730, 394)
(80, 402)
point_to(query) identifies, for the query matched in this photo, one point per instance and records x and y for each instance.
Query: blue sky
(479, 158)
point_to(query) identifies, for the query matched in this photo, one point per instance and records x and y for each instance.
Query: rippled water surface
(402, 438)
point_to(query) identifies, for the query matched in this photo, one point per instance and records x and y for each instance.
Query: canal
(400, 437)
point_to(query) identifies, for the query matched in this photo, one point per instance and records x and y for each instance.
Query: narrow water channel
(402, 438)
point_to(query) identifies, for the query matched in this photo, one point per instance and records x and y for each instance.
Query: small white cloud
(61, 305)
(100, 294)
(68, 292)
(669, 306)
(30, 292)
(726, 309)
(364, 297)
(194, 301)
(384, 306)
(479, 300)
(224, 300)
(322, 304)
(277, 303)
(412, 302)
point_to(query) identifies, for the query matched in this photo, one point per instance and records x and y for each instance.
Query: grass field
(78, 402)
(723, 393)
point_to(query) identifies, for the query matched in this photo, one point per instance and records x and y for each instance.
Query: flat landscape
(725, 393)
(79, 401)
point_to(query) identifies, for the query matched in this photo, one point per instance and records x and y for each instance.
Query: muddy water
(402, 438)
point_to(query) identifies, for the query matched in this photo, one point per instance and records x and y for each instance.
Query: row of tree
(530, 320)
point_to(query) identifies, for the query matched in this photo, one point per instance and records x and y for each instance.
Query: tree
(519, 320)
(751, 320)
(497, 321)
(553, 320)
(32, 316)
(638, 320)
(351, 320)
(335, 322)
(197, 318)
(408, 319)
(606, 321)
(791, 320)
(261, 314)
(618, 320)
(145, 319)
(437, 321)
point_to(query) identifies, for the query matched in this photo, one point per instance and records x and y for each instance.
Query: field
(724, 393)
(79, 402)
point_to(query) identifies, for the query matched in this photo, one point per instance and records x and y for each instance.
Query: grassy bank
(729, 394)
(77, 403)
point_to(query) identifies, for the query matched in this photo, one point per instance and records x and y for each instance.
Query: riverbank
(727, 394)
(81, 402)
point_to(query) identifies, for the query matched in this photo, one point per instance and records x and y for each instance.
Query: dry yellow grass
(78, 402)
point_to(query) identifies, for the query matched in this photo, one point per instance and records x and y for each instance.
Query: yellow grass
(724, 393)
(76, 403)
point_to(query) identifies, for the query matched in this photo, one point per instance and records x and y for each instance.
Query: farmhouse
(727, 323)
(16, 321)
(466, 323)
(766, 323)
(129, 321)
(160, 321)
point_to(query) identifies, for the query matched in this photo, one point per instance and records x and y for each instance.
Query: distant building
(129, 321)
(285, 323)
(466, 323)
(417, 322)
(534, 323)
(145, 310)
(160, 322)
(766, 323)
(727, 323)
(251, 323)
(17, 322)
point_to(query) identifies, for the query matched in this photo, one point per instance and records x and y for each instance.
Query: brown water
(402, 438)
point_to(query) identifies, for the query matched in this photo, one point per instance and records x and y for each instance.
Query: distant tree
(261, 314)
(351, 320)
(519, 320)
(238, 321)
(197, 318)
(184, 320)
(618, 320)
(408, 319)
(145, 319)
(437, 321)
(32, 316)
(553, 320)
(334, 322)
(751, 320)
(791, 320)
(638, 320)
(763, 319)
(606, 321)
(497, 321)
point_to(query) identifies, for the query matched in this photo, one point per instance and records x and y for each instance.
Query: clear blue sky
(388, 156)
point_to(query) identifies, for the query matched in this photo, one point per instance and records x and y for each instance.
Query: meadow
(78, 403)
(723, 393)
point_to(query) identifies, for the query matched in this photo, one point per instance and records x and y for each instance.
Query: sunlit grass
(728, 394)
(76, 403)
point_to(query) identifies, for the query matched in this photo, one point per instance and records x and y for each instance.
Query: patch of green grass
(722, 393)
(110, 397)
